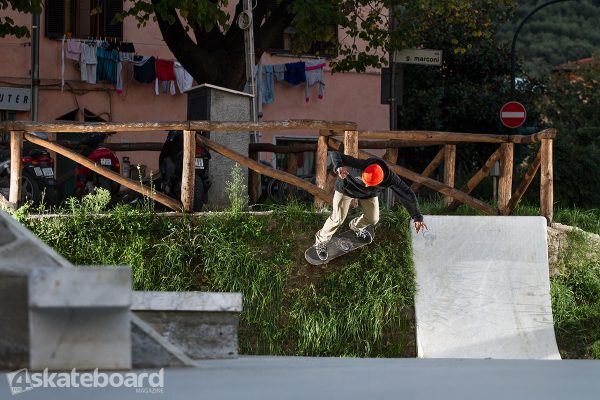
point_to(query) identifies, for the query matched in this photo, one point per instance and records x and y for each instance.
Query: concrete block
(202, 325)
(214, 103)
(20, 253)
(151, 350)
(79, 318)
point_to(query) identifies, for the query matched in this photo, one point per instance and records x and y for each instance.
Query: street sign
(15, 99)
(418, 56)
(513, 114)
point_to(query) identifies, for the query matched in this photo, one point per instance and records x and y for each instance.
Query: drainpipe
(35, 65)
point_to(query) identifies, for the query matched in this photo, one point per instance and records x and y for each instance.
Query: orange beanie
(372, 175)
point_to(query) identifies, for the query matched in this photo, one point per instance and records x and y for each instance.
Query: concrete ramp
(483, 288)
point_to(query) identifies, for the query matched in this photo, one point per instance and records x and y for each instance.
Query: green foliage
(7, 24)
(556, 34)
(573, 108)
(576, 299)
(364, 24)
(237, 190)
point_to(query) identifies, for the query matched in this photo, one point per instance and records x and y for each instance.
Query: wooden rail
(354, 143)
(19, 131)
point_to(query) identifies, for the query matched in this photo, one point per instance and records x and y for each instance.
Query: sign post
(418, 56)
(513, 114)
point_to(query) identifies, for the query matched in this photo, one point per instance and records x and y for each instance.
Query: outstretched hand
(421, 226)
(342, 172)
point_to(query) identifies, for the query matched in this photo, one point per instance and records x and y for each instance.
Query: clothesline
(309, 72)
(100, 60)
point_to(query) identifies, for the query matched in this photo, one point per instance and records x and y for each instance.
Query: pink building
(347, 96)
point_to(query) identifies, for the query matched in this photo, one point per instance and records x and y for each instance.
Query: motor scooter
(170, 163)
(86, 180)
(37, 176)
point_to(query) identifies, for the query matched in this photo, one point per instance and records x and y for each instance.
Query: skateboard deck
(338, 246)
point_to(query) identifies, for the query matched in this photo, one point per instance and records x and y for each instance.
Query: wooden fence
(331, 136)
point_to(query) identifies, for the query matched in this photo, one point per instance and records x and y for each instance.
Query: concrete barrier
(20, 253)
(79, 318)
(203, 325)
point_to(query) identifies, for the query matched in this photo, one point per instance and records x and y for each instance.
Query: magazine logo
(22, 381)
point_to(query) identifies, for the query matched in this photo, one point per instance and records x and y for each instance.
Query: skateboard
(338, 246)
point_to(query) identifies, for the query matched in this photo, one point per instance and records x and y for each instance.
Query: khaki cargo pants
(341, 205)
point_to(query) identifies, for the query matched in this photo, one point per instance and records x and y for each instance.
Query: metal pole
(246, 23)
(35, 64)
(514, 42)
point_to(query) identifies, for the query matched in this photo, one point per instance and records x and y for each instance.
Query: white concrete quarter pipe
(483, 288)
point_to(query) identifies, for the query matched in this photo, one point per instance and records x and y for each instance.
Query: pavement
(352, 378)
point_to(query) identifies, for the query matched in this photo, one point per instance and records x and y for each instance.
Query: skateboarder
(363, 180)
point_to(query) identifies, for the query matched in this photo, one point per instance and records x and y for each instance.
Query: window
(83, 18)
(283, 44)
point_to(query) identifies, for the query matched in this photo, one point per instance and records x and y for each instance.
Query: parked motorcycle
(37, 176)
(170, 164)
(86, 180)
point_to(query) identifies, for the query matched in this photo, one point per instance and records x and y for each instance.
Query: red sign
(513, 114)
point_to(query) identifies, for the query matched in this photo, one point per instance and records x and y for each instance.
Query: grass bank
(359, 305)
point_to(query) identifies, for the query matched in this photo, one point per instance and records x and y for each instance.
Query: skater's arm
(342, 160)
(407, 197)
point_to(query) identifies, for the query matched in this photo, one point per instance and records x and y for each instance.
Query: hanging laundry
(314, 74)
(126, 53)
(295, 73)
(165, 72)
(144, 69)
(107, 65)
(279, 72)
(88, 62)
(73, 49)
(183, 78)
(267, 84)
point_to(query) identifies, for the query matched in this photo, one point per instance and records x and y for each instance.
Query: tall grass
(357, 306)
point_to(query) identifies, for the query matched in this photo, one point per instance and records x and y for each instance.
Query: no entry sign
(513, 114)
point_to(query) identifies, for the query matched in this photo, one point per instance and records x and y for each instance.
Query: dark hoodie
(353, 186)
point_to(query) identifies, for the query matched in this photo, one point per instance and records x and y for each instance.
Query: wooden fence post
(253, 179)
(351, 149)
(449, 169)
(188, 174)
(391, 156)
(292, 168)
(16, 142)
(351, 143)
(321, 167)
(506, 174)
(547, 181)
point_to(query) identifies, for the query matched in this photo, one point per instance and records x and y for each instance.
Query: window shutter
(54, 13)
(112, 8)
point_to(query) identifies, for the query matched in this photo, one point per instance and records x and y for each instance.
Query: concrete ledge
(203, 325)
(186, 301)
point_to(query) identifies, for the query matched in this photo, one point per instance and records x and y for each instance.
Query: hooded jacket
(353, 186)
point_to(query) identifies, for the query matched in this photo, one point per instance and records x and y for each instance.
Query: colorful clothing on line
(183, 78)
(73, 49)
(267, 84)
(295, 73)
(144, 70)
(165, 71)
(88, 62)
(279, 72)
(314, 74)
(107, 65)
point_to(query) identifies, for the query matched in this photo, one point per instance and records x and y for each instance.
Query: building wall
(348, 96)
